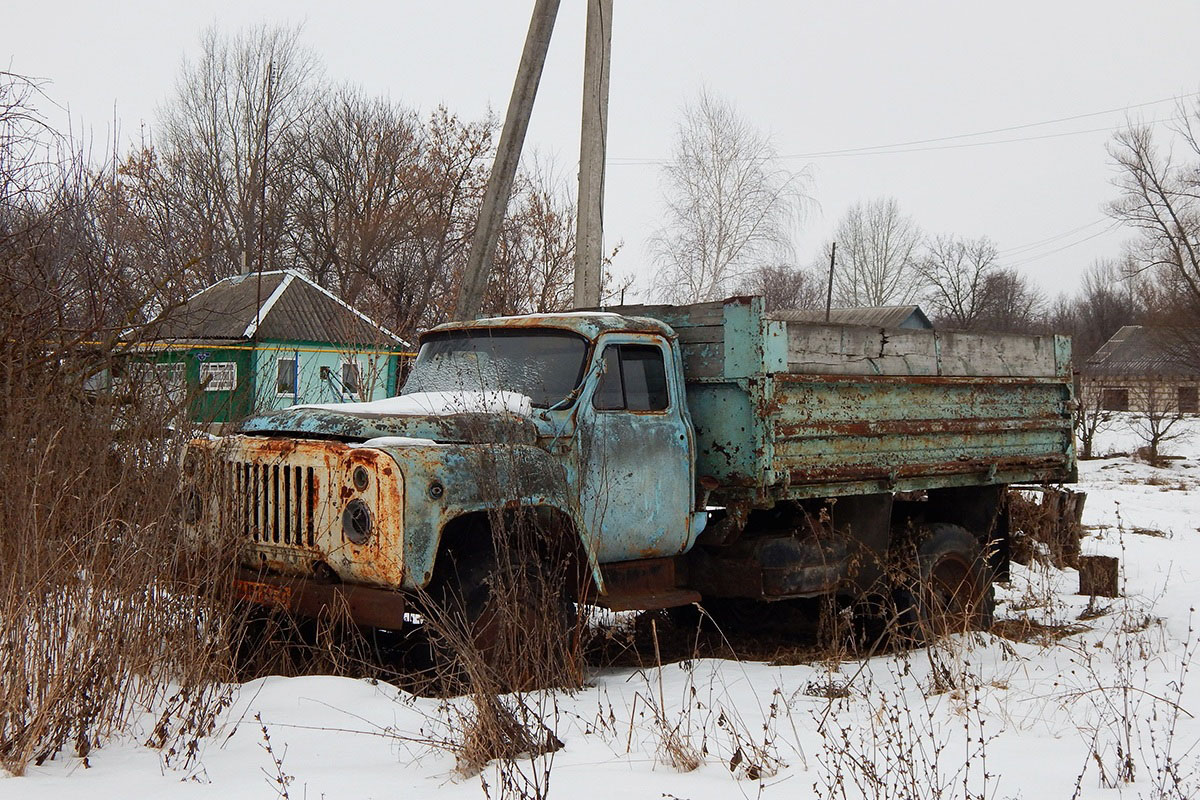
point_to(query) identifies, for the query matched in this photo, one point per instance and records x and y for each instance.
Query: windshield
(543, 365)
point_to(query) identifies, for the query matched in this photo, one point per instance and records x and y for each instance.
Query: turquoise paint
(318, 374)
(635, 503)
(764, 435)
(206, 405)
(256, 377)
(757, 426)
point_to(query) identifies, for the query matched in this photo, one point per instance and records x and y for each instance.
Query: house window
(1115, 400)
(218, 376)
(285, 376)
(1189, 403)
(173, 380)
(172, 375)
(634, 379)
(351, 378)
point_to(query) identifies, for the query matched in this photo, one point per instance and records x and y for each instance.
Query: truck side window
(634, 379)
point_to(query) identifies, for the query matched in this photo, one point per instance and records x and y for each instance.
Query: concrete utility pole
(593, 140)
(508, 154)
(829, 295)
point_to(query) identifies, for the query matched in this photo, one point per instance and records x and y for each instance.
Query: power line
(1040, 256)
(1009, 128)
(1010, 251)
(911, 146)
(962, 145)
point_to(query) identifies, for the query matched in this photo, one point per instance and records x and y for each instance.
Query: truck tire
(949, 587)
(498, 624)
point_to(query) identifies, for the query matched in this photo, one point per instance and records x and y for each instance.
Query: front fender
(446, 481)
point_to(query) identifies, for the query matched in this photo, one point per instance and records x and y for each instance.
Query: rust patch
(916, 427)
(285, 499)
(265, 594)
(378, 608)
(875, 472)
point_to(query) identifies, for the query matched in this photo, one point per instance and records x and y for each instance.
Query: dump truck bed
(802, 409)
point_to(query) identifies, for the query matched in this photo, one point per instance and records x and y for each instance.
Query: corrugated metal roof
(287, 306)
(1136, 350)
(910, 316)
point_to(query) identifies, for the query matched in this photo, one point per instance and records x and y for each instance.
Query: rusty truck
(704, 453)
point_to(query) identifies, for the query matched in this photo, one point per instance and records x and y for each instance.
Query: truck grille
(273, 503)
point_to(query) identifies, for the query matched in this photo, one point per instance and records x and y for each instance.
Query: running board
(643, 585)
(649, 602)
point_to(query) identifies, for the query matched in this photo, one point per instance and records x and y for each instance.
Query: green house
(265, 341)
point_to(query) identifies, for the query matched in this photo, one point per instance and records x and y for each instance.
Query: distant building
(1139, 370)
(244, 345)
(873, 316)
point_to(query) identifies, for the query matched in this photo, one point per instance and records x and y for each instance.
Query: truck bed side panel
(810, 410)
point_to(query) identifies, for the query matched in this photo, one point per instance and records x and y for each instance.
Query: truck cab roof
(586, 323)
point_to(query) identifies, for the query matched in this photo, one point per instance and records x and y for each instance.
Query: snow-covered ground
(1086, 697)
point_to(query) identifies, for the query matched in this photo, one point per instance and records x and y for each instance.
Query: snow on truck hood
(433, 404)
(417, 418)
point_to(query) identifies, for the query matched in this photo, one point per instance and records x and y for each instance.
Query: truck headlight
(356, 521)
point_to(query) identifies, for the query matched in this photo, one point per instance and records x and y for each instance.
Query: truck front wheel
(508, 624)
(946, 587)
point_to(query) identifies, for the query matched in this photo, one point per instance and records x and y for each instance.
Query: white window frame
(212, 379)
(295, 392)
(172, 373)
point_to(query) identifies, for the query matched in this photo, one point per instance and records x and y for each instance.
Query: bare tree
(226, 146)
(61, 265)
(1011, 303)
(878, 252)
(1112, 294)
(359, 169)
(1157, 418)
(25, 146)
(1160, 198)
(416, 285)
(152, 231)
(955, 273)
(730, 207)
(783, 286)
(1091, 416)
(534, 267)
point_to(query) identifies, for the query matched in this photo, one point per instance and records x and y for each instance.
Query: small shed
(1145, 369)
(270, 340)
(910, 316)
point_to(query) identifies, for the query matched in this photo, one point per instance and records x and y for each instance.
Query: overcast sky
(841, 87)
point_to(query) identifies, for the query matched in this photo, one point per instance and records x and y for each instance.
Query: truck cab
(581, 417)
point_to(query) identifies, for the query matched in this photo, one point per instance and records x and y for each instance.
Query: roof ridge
(296, 274)
(262, 311)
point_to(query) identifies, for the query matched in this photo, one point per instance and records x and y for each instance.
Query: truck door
(635, 452)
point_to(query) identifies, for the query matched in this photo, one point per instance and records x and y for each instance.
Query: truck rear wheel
(948, 588)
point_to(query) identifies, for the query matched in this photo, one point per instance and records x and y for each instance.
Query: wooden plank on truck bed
(820, 349)
(701, 331)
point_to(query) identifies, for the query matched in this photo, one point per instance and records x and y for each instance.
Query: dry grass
(101, 610)
(506, 634)
(1041, 526)
(1024, 629)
